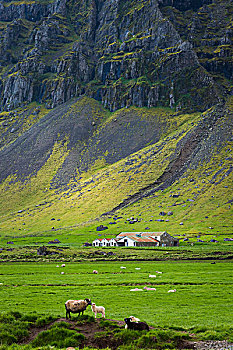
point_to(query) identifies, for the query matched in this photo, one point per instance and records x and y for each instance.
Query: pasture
(203, 297)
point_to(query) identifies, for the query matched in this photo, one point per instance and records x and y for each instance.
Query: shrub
(128, 336)
(59, 337)
(29, 318)
(147, 341)
(106, 323)
(61, 324)
(16, 314)
(84, 319)
(7, 337)
(43, 321)
(11, 329)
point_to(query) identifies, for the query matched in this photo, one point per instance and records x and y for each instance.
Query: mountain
(116, 108)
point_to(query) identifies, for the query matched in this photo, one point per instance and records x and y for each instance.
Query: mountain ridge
(111, 106)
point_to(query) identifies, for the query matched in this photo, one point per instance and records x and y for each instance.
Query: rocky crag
(122, 53)
(105, 104)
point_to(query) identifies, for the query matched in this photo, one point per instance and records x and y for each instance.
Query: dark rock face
(121, 53)
(185, 5)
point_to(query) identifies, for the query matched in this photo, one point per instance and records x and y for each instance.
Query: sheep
(139, 326)
(98, 310)
(136, 290)
(76, 306)
(172, 291)
(133, 319)
(149, 288)
(95, 271)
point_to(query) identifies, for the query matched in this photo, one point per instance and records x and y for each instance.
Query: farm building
(104, 242)
(138, 239)
(147, 239)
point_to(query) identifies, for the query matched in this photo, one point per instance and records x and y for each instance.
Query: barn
(147, 239)
(136, 240)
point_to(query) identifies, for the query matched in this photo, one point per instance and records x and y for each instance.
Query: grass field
(203, 296)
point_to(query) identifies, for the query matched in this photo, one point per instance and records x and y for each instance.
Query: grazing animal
(149, 288)
(134, 319)
(76, 306)
(172, 291)
(98, 310)
(138, 326)
(135, 290)
(95, 271)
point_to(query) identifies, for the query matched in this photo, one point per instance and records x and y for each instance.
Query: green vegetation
(202, 290)
(34, 295)
(200, 199)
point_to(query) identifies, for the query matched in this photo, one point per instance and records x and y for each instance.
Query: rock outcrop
(122, 53)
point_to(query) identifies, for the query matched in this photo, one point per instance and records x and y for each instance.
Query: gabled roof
(138, 239)
(101, 239)
(142, 234)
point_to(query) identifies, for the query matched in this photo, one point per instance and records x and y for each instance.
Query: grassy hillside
(135, 162)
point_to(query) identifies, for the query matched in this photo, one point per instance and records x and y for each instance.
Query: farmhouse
(104, 242)
(138, 239)
(146, 239)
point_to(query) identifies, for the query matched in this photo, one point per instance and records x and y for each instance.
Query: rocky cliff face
(122, 53)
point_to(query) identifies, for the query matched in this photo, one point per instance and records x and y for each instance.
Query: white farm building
(138, 239)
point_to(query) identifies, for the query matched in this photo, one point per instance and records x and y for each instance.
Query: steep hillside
(112, 110)
(122, 53)
(101, 163)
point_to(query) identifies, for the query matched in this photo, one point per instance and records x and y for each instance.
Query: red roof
(139, 239)
(142, 234)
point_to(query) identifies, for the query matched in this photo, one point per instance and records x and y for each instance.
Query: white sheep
(136, 290)
(76, 306)
(172, 291)
(98, 310)
(63, 265)
(149, 288)
(95, 271)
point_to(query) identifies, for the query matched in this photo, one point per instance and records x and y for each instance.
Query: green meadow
(203, 297)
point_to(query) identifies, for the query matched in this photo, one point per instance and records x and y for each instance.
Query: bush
(29, 318)
(7, 337)
(147, 341)
(84, 319)
(61, 324)
(58, 336)
(16, 314)
(43, 321)
(12, 329)
(128, 336)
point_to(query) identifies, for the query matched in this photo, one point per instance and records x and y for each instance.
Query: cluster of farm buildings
(138, 239)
